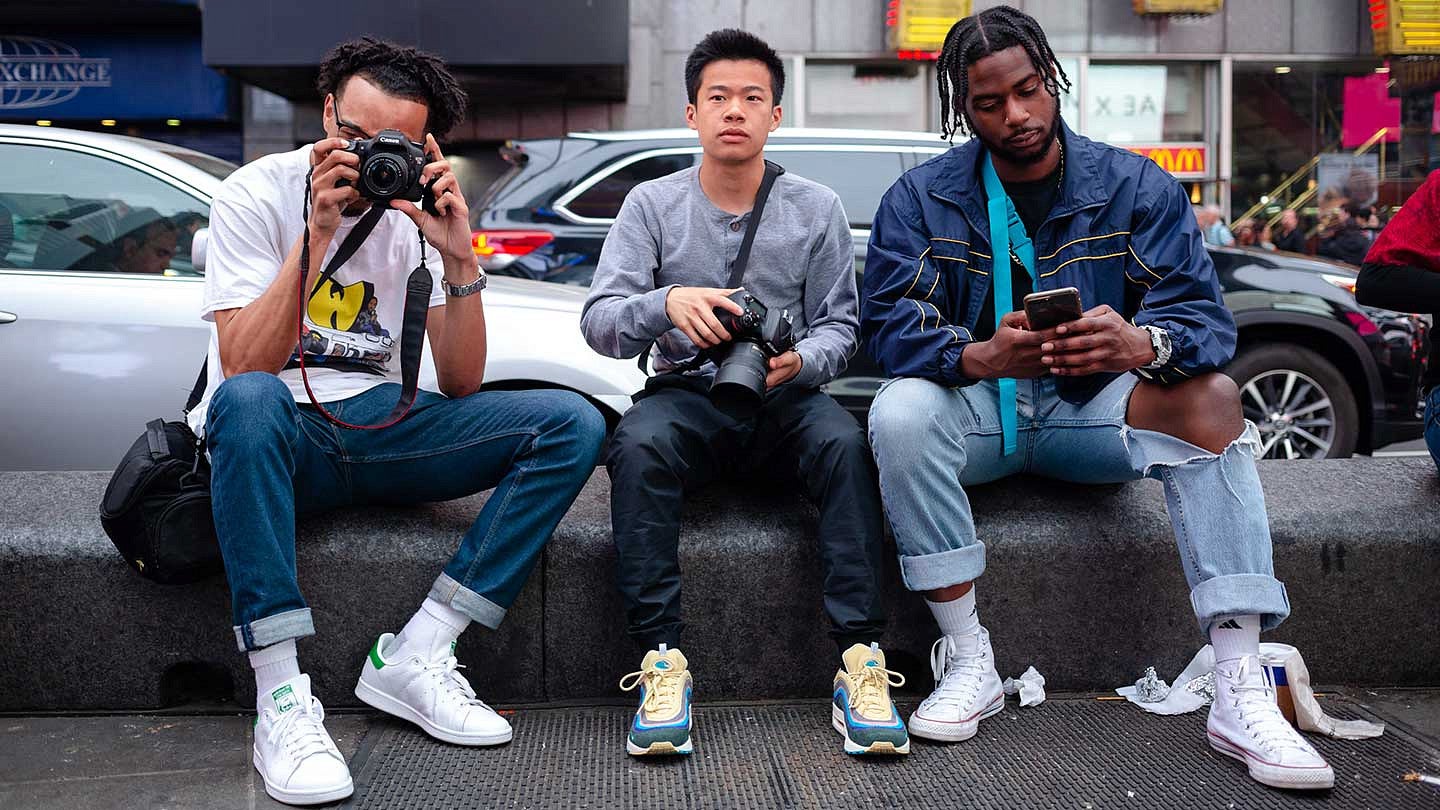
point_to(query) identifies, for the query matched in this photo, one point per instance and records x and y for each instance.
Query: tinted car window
(65, 210)
(602, 200)
(860, 178)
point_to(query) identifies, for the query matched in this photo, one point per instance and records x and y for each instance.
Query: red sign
(1187, 161)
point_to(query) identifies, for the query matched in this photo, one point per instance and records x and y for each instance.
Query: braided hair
(401, 71)
(978, 36)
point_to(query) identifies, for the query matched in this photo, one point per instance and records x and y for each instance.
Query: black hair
(733, 44)
(978, 36)
(400, 71)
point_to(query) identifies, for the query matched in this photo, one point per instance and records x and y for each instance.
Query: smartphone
(1049, 309)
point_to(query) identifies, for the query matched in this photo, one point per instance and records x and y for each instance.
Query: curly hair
(978, 36)
(401, 71)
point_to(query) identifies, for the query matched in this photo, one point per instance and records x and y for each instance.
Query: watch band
(467, 289)
(1160, 342)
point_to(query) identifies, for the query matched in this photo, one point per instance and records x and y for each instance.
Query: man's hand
(691, 310)
(1098, 341)
(449, 232)
(783, 369)
(1013, 351)
(330, 163)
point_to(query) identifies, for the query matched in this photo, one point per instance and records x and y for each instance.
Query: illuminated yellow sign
(1405, 27)
(1178, 6)
(921, 25)
(1188, 161)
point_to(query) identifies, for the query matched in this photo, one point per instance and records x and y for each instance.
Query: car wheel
(1302, 404)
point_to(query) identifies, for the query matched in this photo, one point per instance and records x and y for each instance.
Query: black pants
(674, 439)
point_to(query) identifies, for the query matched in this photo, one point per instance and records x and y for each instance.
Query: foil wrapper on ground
(1151, 688)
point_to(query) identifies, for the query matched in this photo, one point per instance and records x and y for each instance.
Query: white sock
(1235, 637)
(273, 666)
(958, 616)
(431, 631)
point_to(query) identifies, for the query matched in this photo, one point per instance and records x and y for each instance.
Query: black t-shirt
(1033, 200)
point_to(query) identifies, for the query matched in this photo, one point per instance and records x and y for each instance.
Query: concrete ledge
(1082, 582)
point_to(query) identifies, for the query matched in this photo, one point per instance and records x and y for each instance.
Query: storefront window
(867, 95)
(1146, 103)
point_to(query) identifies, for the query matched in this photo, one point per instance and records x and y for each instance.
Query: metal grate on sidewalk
(1068, 753)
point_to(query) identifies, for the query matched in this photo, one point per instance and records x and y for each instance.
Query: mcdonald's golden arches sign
(1187, 161)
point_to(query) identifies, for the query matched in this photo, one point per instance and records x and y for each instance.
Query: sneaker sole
(658, 749)
(837, 721)
(302, 797)
(1276, 776)
(942, 731)
(376, 699)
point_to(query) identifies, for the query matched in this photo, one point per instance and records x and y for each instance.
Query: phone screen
(1050, 309)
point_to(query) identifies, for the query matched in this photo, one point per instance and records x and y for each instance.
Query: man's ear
(690, 117)
(327, 118)
(776, 114)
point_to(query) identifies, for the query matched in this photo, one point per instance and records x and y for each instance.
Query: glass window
(866, 96)
(64, 210)
(1145, 103)
(860, 178)
(602, 200)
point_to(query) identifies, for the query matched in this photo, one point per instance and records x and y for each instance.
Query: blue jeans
(273, 461)
(931, 441)
(1432, 424)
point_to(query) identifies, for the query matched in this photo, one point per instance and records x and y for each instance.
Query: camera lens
(739, 385)
(384, 175)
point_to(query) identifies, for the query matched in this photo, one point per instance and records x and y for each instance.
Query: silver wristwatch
(1160, 342)
(468, 289)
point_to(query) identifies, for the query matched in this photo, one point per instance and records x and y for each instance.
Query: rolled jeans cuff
(941, 569)
(1240, 595)
(274, 629)
(447, 591)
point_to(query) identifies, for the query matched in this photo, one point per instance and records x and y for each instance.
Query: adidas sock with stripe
(1235, 637)
(431, 630)
(273, 666)
(957, 617)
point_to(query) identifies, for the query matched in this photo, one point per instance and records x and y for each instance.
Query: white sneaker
(1245, 723)
(293, 753)
(431, 694)
(967, 689)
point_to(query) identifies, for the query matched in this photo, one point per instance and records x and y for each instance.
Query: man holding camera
(665, 276)
(1129, 387)
(276, 456)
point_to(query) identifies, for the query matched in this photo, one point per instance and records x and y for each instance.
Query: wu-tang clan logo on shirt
(337, 306)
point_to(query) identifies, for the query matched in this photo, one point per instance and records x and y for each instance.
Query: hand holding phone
(1048, 309)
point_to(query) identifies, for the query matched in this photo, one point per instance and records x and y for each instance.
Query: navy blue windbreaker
(1122, 231)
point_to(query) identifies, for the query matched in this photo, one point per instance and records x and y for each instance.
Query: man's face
(1288, 220)
(152, 255)
(1014, 115)
(733, 111)
(362, 110)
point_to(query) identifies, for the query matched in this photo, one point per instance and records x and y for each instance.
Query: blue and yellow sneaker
(861, 708)
(662, 723)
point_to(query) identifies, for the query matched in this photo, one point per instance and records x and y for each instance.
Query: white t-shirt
(353, 322)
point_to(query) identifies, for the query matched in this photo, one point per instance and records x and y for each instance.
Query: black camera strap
(737, 267)
(412, 330)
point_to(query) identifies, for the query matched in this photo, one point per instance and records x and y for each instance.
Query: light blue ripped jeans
(930, 442)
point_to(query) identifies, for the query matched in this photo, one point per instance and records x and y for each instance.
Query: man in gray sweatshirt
(661, 279)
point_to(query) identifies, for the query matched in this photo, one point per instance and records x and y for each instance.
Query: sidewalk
(1071, 752)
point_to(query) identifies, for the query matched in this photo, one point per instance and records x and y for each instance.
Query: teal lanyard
(1006, 229)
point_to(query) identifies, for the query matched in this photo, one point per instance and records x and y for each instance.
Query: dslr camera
(757, 334)
(390, 166)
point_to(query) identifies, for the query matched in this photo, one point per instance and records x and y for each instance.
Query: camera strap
(412, 330)
(742, 259)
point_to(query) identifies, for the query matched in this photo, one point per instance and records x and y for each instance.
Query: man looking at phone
(275, 456)
(961, 239)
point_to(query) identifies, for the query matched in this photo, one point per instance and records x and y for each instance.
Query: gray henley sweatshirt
(668, 234)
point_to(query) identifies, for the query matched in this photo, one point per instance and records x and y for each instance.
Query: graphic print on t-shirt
(342, 322)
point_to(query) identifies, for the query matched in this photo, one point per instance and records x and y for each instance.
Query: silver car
(102, 239)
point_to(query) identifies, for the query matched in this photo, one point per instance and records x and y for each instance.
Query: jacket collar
(959, 183)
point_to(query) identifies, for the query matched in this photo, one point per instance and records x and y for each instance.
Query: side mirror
(199, 246)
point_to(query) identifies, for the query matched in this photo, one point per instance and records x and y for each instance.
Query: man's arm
(832, 314)
(261, 335)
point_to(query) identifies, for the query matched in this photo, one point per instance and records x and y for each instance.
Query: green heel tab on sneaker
(375, 656)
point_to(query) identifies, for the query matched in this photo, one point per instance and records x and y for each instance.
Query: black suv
(1321, 375)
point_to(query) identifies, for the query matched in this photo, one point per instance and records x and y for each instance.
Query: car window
(67, 210)
(602, 200)
(860, 178)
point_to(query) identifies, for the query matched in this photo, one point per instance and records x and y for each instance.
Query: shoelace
(302, 731)
(662, 689)
(870, 698)
(957, 678)
(1262, 717)
(453, 685)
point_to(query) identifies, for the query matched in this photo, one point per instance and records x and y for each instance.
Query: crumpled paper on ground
(1195, 687)
(1030, 686)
